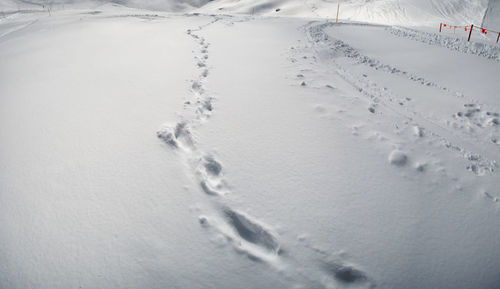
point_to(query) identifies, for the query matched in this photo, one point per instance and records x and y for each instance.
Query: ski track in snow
(484, 122)
(18, 28)
(246, 234)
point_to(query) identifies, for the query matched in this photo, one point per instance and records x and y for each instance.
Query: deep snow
(143, 149)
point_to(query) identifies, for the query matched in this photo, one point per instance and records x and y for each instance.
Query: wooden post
(338, 8)
(440, 26)
(470, 32)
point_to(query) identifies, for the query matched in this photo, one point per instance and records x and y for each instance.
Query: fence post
(338, 8)
(440, 26)
(470, 32)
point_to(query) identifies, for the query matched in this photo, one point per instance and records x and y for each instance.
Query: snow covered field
(146, 149)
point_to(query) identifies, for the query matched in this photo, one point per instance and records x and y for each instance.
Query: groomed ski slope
(144, 149)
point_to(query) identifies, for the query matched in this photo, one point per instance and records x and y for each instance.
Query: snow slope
(143, 149)
(491, 18)
(395, 12)
(161, 5)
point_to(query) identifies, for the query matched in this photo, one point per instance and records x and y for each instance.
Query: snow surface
(392, 12)
(491, 19)
(145, 149)
(396, 12)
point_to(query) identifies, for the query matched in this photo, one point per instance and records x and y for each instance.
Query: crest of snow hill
(392, 12)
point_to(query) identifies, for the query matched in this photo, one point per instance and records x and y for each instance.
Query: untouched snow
(145, 149)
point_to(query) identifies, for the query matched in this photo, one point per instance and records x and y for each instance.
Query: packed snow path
(294, 154)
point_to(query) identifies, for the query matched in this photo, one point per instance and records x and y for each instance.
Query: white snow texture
(252, 144)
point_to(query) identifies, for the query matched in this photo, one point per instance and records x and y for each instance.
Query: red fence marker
(469, 29)
(470, 32)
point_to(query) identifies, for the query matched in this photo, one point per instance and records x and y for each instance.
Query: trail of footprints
(472, 120)
(247, 235)
(484, 122)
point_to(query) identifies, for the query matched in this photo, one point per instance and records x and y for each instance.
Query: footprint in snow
(346, 274)
(209, 171)
(251, 231)
(398, 158)
(178, 136)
